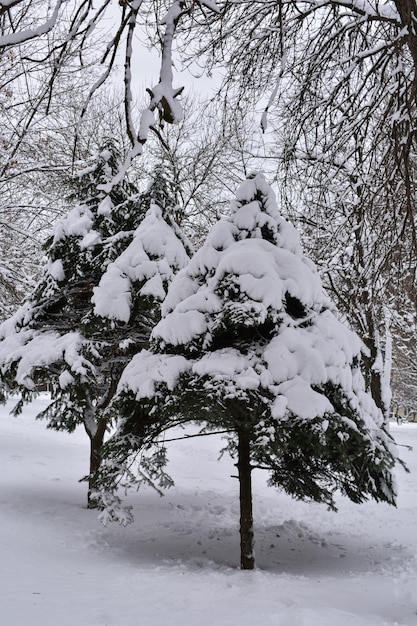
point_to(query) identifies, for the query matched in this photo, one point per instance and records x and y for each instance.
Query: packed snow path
(177, 565)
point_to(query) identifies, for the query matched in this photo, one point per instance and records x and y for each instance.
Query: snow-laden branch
(128, 72)
(373, 10)
(30, 351)
(264, 120)
(163, 96)
(12, 39)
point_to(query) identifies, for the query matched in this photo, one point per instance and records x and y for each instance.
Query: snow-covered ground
(177, 565)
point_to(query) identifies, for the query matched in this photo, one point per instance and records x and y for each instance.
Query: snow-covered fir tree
(250, 345)
(108, 266)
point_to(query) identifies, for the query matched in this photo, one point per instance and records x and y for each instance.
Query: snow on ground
(177, 565)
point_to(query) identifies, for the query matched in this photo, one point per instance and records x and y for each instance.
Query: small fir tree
(86, 317)
(250, 344)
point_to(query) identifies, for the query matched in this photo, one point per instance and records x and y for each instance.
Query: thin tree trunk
(96, 442)
(247, 558)
(374, 375)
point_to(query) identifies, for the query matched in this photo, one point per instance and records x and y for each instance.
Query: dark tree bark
(247, 558)
(96, 443)
(408, 13)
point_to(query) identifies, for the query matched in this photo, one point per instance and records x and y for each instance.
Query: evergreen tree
(250, 345)
(70, 332)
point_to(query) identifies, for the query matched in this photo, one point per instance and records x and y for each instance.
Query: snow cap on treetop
(149, 261)
(248, 269)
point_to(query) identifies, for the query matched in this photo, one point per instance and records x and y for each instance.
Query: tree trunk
(96, 442)
(408, 13)
(247, 558)
(374, 365)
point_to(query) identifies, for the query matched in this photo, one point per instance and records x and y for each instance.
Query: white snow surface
(149, 260)
(177, 565)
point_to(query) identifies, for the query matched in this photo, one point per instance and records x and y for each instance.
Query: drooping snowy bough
(249, 344)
